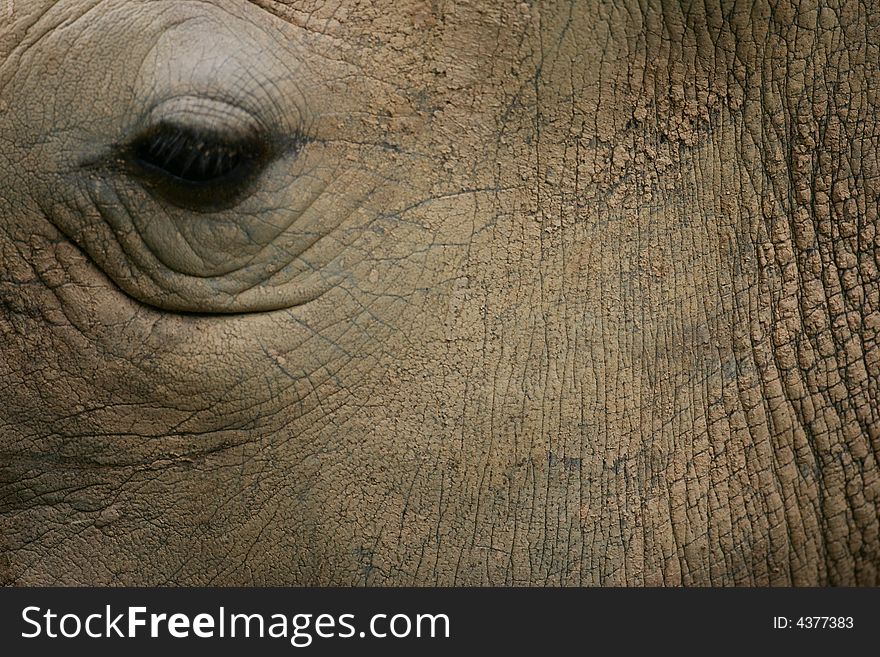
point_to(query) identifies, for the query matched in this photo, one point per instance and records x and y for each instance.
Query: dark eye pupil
(191, 157)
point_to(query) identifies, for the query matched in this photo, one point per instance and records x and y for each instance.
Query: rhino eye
(193, 158)
(195, 168)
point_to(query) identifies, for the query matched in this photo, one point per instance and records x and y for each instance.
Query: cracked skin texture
(580, 293)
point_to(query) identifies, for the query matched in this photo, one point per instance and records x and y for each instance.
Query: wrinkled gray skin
(527, 293)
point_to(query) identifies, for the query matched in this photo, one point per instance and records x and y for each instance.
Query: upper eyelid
(197, 113)
(204, 114)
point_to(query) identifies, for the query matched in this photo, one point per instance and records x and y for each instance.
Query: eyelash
(196, 158)
(203, 169)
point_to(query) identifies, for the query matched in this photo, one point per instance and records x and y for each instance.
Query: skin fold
(512, 293)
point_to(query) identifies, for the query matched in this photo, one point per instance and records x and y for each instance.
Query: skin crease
(575, 293)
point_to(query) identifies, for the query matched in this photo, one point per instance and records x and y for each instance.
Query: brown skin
(593, 297)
